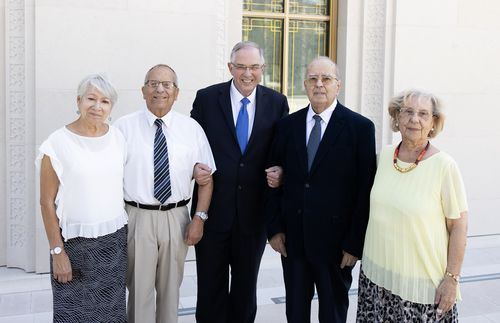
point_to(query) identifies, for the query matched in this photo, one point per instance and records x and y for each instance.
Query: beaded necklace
(412, 166)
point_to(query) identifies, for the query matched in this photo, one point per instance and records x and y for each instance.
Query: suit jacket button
(240, 187)
(307, 185)
(299, 211)
(242, 164)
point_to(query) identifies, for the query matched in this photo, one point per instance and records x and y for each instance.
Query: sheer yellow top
(406, 242)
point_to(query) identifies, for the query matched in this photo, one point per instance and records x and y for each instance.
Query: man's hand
(202, 174)
(194, 231)
(348, 260)
(277, 242)
(61, 267)
(274, 176)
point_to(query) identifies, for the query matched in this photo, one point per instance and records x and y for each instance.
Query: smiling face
(321, 94)
(159, 100)
(94, 107)
(246, 79)
(415, 127)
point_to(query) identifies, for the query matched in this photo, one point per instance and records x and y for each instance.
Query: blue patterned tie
(242, 125)
(314, 139)
(162, 189)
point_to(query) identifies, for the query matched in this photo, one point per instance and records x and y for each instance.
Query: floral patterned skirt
(378, 305)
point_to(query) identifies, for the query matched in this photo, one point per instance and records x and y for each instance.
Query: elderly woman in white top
(81, 198)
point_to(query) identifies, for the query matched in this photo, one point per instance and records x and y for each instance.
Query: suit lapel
(261, 102)
(227, 110)
(300, 139)
(332, 131)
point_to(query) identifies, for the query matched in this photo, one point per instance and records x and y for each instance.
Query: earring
(78, 112)
(109, 118)
(432, 129)
(397, 124)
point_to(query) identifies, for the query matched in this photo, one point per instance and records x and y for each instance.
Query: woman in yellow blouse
(416, 235)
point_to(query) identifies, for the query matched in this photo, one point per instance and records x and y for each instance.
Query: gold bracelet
(456, 278)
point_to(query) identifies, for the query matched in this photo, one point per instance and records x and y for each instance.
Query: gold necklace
(412, 166)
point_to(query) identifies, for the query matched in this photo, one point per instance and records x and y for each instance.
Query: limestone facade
(449, 47)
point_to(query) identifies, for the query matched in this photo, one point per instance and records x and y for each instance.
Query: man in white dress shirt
(159, 233)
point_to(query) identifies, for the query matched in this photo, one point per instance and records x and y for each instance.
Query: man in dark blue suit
(239, 119)
(319, 215)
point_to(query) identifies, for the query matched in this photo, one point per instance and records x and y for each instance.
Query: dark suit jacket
(324, 211)
(240, 180)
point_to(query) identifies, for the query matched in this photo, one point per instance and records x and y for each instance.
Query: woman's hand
(446, 295)
(61, 267)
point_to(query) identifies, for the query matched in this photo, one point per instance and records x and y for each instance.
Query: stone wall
(448, 47)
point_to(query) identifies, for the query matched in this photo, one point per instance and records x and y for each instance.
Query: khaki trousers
(156, 255)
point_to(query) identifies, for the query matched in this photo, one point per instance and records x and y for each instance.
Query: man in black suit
(320, 213)
(239, 119)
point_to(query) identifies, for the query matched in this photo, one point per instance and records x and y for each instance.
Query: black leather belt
(164, 207)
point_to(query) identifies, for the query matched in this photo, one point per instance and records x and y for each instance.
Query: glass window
(307, 40)
(263, 5)
(292, 33)
(310, 7)
(268, 33)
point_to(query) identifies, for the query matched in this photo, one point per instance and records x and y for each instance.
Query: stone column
(365, 54)
(19, 140)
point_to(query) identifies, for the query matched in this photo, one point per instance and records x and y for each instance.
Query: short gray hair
(176, 80)
(246, 44)
(100, 83)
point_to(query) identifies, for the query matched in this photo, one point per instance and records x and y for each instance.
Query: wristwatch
(57, 250)
(202, 215)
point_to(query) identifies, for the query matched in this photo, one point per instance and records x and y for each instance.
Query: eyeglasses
(244, 68)
(326, 79)
(410, 112)
(166, 84)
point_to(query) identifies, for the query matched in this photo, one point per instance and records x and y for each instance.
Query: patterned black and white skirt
(97, 291)
(376, 305)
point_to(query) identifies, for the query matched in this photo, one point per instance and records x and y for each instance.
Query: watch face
(57, 250)
(202, 215)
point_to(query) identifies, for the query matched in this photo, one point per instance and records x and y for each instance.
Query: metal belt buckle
(159, 207)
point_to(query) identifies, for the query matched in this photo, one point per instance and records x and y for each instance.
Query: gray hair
(324, 58)
(247, 44)
(401, 100)
(100, 83)
(176, 80)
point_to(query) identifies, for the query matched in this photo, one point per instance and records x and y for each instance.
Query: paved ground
(27, 297)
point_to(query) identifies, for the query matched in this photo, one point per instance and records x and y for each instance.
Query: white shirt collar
(237, 96)
(325, 115)
(151, 118)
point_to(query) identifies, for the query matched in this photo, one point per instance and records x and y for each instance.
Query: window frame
(286, 16)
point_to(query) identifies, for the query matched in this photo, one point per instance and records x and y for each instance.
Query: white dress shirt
(187, 145)
(236, 106)
(325, 118)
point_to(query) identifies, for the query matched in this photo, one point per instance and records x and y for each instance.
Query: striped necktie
(162, 189)
(242, 125)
